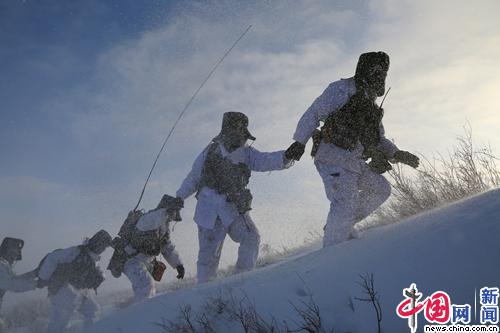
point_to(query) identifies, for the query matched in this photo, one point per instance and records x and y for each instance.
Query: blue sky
(50, 48)
(89, 90)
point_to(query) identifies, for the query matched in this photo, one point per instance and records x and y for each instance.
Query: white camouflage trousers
(65, 302)
(353, 196)
(138, 272)
(242, 231)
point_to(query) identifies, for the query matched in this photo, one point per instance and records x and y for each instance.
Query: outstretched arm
(16, 283)
(259, 161)
(392, 152)
(192, 180)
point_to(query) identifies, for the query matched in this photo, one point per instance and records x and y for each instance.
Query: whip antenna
(185, 109)
(385, 97)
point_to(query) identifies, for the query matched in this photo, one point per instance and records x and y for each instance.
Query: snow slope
(454, 248)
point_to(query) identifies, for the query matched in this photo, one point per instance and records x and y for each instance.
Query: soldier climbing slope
(143, 236)
(72, 278)
(219, 176)
(10, 252)
(351, 134)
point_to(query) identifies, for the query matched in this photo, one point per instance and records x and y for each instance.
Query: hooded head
(99, 242)
(234, 132)
(371, 72)
(11, 249)
(173, 207)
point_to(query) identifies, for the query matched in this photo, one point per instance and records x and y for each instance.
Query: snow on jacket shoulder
(55, 258)
(152, 220)
(330, 101)
(9, 281)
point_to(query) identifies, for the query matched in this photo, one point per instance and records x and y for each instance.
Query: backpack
(147, 242)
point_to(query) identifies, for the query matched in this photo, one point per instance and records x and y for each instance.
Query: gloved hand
(295, 151)
(406, 158)
(379, 165)
(180, 271)
(178, 203)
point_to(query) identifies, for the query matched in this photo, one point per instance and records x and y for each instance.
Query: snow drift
(454, 249)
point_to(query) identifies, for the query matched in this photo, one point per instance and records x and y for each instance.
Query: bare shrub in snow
(371, 296)
(185, 322)
(466, 170)
(310, 318)
(222, 311)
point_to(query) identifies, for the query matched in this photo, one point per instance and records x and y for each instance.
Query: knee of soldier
(253, 238)
(384, 189)
(146, 282)
(89, 308)
(206, 257)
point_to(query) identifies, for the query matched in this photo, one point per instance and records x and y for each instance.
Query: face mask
(234, 140)
(376, 81)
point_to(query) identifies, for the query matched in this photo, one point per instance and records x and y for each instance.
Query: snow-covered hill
(454, 248)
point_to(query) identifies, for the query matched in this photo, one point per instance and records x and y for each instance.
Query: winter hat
(365, 66)
(173, 206)
(9, 244)
(368, 60)
(99, 242)
(236, 120)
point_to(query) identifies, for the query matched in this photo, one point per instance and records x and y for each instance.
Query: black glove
(295, 151)
(178, 203)
(180, 271)
(406, 158)
(379, 165)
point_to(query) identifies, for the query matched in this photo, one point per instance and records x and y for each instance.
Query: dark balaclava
(99, 242)
(11, 248)
(371, 72)
(234, 132)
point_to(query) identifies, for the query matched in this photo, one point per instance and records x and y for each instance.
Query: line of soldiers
(350, 153)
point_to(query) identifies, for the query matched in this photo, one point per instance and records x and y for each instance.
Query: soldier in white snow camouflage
(351, 134)
(219, 177)
(72, 277)
(10, 252)
(142, 238)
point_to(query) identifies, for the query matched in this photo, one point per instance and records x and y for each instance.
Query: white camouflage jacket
(212, 204)
(330, 101)
(58, 257)
(156, 220)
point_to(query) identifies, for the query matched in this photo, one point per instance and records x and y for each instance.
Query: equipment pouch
(158, 270)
